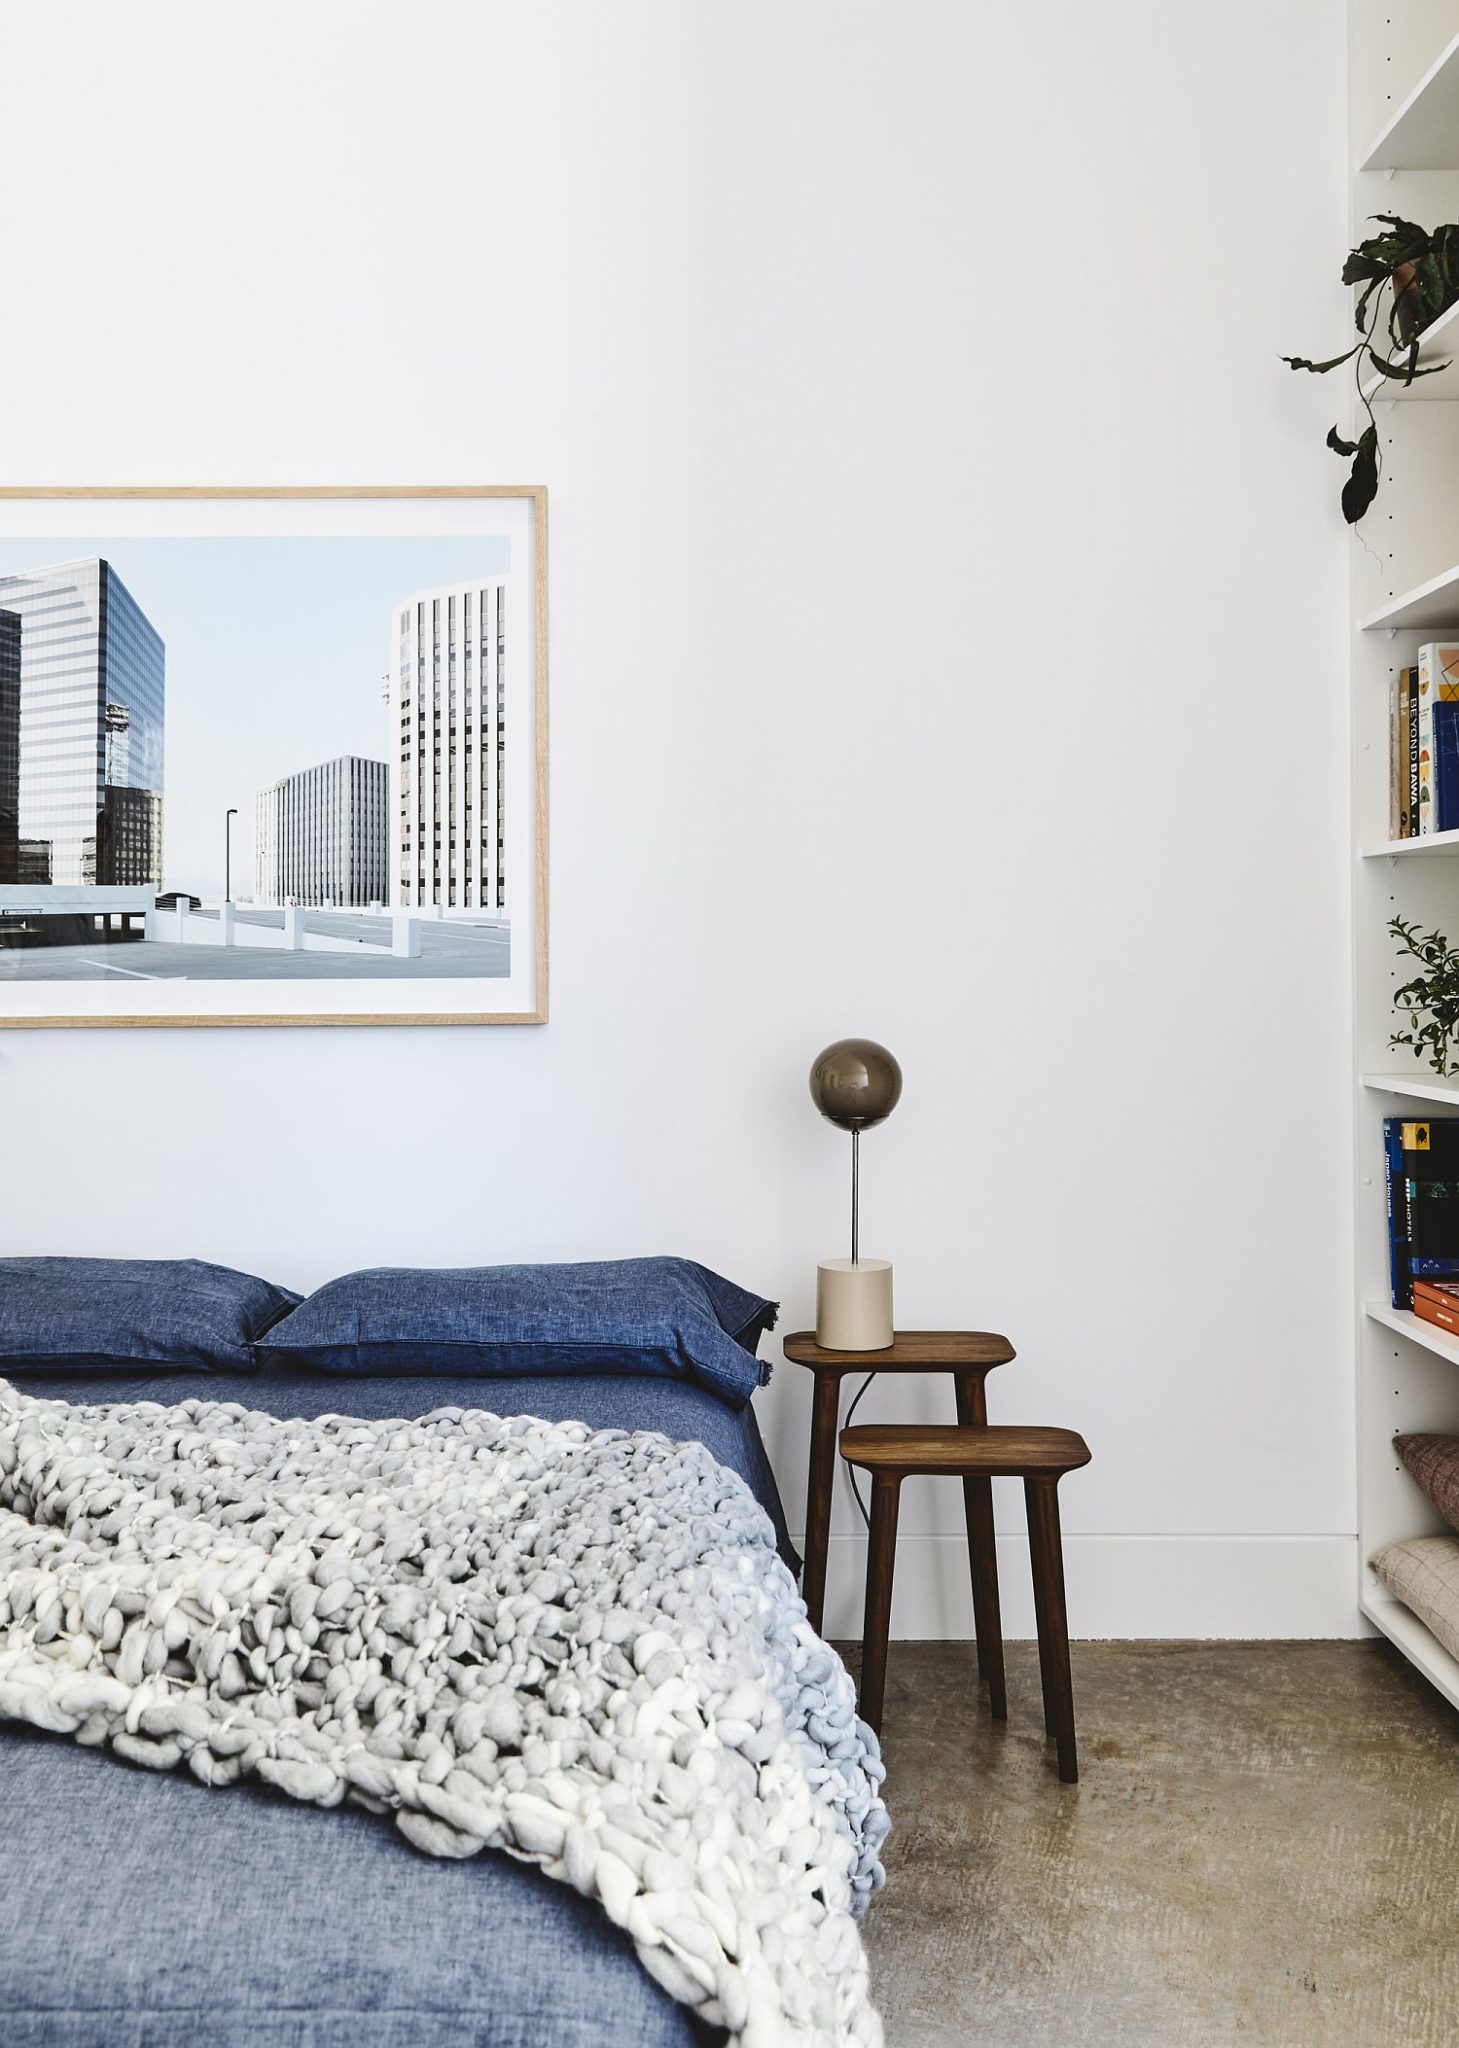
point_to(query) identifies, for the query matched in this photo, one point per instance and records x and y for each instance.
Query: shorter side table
(1040, 1458)
(969, 1356)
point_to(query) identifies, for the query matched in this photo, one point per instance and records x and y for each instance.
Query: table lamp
(855, 1084)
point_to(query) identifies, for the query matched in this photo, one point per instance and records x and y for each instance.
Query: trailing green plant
(1431, 999)
(1422, 269)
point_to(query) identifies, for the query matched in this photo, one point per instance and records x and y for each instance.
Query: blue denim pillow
(85, 1315)
(666, 1316)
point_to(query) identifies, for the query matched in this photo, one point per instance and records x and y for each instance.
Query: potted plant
(1421, 268)
(1431, 999)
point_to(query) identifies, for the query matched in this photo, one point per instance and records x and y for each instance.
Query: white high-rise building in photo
(321, 836)
(448, 743)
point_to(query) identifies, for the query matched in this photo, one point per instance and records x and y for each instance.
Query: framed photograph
(273, 756)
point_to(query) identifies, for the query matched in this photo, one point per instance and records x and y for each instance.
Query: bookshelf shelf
(1417, 1087)
(1423, 135)
(1417, 1644)
(1406, 1324)
(1434, 604)
(1409, 849)
(1437, 344)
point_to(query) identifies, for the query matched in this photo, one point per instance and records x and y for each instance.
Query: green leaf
(1406, 371)
(1338, 445)
(1358, 266)
(1303, 363)
(1360, 311)
(1361, 487)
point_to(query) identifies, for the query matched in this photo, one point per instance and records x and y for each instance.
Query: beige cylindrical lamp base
(854, 1304)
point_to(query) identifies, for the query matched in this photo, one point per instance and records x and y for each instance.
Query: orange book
(1438, 1305)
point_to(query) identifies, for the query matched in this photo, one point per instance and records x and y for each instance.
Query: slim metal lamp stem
(855, 1196)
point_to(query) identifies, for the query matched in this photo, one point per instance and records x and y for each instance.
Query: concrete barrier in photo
(50, 914)
(283, 929)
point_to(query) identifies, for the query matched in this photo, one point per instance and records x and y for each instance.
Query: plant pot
(1405, 302)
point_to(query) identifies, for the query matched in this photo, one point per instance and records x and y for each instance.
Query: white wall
(946, 645)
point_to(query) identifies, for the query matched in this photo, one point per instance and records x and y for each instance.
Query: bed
(154, 1913)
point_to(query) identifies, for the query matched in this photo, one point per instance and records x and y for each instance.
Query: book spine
(1444, 1292)
(1427, 691)
(1446, 764)
(1400, 1279)
(1412, 1138)
(1397, 757)
(1431, 1184)
(1410, 728)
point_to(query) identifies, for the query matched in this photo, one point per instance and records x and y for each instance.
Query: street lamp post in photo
(229, 815)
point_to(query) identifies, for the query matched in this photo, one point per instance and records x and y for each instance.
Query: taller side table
(969, 1356)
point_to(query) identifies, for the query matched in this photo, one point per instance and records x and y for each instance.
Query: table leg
(880, 1567)
(1047, 1558)
(1040, 1610)
(825, 1411)
(972, 1411)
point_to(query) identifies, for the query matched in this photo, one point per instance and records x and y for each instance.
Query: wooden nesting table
(968, 1356)
(893, 1452)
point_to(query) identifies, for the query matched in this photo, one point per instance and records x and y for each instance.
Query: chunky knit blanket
(578, 1646)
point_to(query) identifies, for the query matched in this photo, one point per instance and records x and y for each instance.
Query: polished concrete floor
(1263, 1849)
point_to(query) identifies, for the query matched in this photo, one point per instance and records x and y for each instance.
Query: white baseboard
(1238, 1587)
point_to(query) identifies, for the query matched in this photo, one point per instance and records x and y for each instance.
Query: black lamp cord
(851, 1469)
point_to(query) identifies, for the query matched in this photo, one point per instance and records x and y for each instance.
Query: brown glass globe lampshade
(855, 1084)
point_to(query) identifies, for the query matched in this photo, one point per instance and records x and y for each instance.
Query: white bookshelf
(1427, 1335)
(1421, 1649)
(1404, 101)
(1418, 134)
(1421, 1084)
(1413, 849)
(1430, 606)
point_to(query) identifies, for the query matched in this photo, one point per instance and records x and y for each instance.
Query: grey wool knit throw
(575, 1645)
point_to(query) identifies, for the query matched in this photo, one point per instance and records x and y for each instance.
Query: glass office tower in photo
(92, 683)
(9, 747)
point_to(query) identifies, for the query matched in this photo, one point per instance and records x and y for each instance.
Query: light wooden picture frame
(321, 801)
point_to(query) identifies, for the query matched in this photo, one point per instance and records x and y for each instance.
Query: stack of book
(1423, 733)
(1436, 1303)
(1422, 1157)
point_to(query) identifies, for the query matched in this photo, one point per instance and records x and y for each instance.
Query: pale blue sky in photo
(276, 657)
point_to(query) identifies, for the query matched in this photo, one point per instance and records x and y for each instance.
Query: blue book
(1400, 1277)
(1446, 765)
(1431, 1189)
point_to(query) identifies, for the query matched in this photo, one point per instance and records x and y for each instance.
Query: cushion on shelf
(84, 1315)
(1434, 1463)
(660, 1315)
(1424, 1574)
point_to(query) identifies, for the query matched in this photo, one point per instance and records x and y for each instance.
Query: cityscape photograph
(254, 759)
